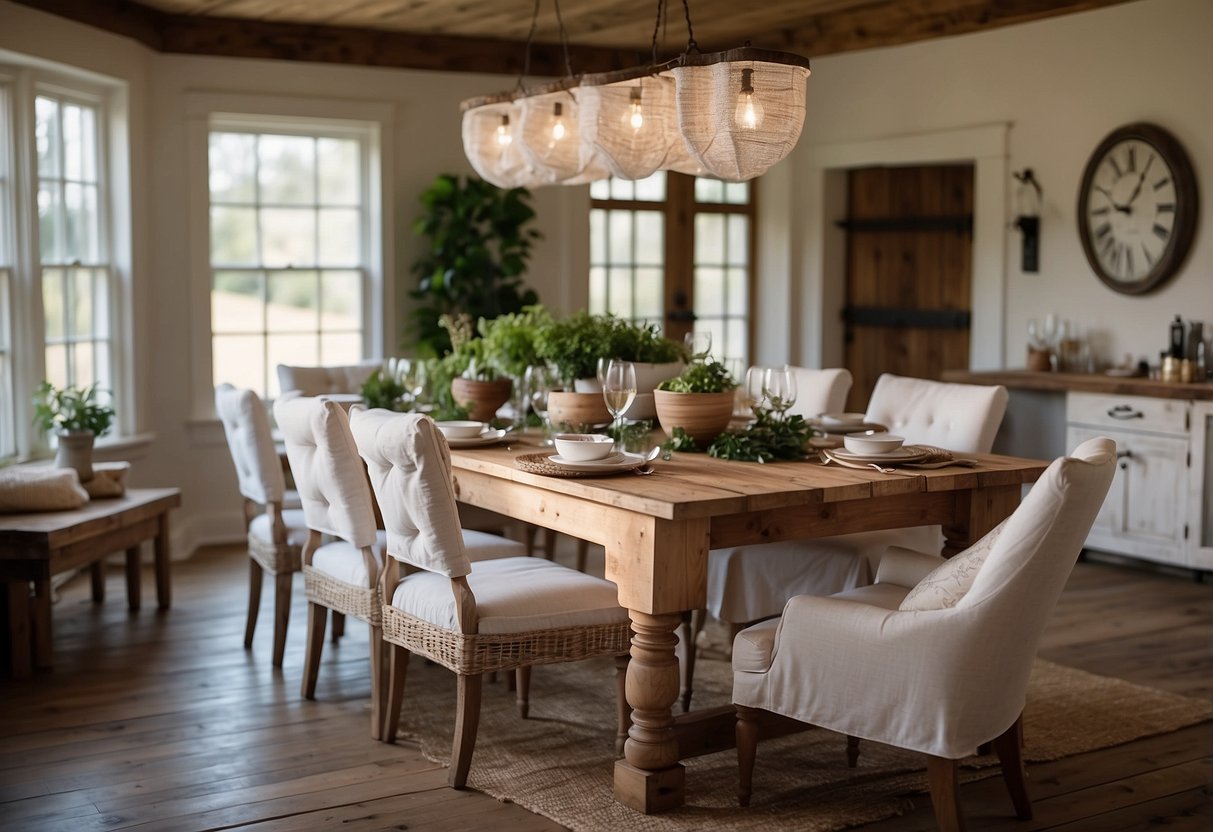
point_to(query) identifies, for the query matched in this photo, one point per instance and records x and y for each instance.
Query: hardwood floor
(162, 721)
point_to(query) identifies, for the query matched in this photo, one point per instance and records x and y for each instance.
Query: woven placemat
(541, 464)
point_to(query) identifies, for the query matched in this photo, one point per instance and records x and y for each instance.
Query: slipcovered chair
(276, 534)
(820, 391)
(315, 381)
(472, 618)
(935, 656)
(342, 574)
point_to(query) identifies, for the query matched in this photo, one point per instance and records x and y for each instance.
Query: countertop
(1083, 382)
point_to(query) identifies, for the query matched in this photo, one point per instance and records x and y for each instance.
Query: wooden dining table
(657, 531)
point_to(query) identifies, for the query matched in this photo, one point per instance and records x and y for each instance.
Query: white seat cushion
(514, 595)
(885, 596)
(296, 527)
(343, 561)
(485, 546)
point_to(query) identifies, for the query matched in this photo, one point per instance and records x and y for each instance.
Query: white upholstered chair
(316, 381)
(276, 534)
(472, 618)
(820, 391)
(935, 656)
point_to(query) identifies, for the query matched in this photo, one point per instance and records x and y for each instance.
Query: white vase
(76, 451)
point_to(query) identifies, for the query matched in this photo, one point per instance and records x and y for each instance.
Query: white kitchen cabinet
(1158, 505)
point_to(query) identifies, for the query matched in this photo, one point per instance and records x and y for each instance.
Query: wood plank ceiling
(488, 35)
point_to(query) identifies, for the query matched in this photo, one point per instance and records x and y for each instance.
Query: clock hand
(1140, 180)
(1124, 209)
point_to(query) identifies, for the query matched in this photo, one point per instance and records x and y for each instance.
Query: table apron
(86, 551)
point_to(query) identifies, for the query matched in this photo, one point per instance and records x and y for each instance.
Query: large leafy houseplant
(479, 242)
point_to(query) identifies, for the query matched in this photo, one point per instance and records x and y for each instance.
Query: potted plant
(77, 418)
(700, 401)
(479, 242)
(474, 383)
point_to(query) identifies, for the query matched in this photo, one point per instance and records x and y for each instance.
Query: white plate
(842, 430)
(615, 462)
(899, 455)
(488, 437)
(842, 419)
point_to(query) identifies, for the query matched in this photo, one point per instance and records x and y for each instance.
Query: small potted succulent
(77, 418)
(700, 401)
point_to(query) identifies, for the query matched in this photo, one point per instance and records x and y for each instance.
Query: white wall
(1059, 86)
(1055, 88)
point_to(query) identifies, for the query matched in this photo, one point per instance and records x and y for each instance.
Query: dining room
(267, 186)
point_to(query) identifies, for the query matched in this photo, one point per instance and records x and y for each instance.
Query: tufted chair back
(940, 414)
(410, 469)
(329, 474)
(316, 381)
(820, 391)
(246, 425)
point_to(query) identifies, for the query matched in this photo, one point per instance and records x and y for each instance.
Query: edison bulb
(748, 115)
(559, 130)
(503, 132)
(635, 114)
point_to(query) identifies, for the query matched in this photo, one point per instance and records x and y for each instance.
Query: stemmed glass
(619, 391)
(540, 381)
(699, 344)
(779, 388)
(412, 377)
(755, 392)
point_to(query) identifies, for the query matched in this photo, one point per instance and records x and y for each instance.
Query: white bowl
(838, 419)
(583, 447)
(872, 443)
(460, 429)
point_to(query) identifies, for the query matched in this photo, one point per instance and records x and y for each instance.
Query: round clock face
(1137, 208)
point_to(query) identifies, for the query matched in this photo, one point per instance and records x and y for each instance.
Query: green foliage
(479, 245)
(700, 377)
(70, 409)
(575, 344)
(509, 340)
(768, 438)
(678, 441)
(644, 343)
(381, 390)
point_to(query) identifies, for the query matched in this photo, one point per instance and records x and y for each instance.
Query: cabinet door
(1144, 512)
(1200, 505)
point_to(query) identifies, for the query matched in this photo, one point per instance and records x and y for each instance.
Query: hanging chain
(657, 28)
(530, 37)
(564, 41)
(691, 44)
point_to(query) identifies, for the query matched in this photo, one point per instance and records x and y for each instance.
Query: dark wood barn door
(908, 282)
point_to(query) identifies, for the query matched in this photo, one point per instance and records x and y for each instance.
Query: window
(678, 250)
(288, 248)
(59, 304)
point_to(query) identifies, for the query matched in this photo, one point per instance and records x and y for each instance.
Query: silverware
(647, 468)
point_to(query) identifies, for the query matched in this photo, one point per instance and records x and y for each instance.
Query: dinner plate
(621, 461)
(841, 419)
(902, 454)
(488, 437)
(841, 429)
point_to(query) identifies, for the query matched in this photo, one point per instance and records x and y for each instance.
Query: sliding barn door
(909, 264)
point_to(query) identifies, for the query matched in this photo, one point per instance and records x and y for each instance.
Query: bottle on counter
(1177, 338)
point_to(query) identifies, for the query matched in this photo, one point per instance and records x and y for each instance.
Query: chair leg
(317, 615)
(377, 676)
(1008, 747)
(254, 601)
(528, 537)
(583, 552)
(522, 695)
(549, 544)
(624, 711)
(692, 626)
(338, 625)
(943, 775)
(747, 750)
(282, 614)
(852, 751)
(466, 723)
(398, 669)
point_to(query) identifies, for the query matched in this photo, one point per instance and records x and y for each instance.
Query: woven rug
(559, 762)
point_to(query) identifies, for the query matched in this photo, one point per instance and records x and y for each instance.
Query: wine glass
(540, 381)
(779, 388)
(699, 344)
(619, 391)
(603, 362)
(755, 393)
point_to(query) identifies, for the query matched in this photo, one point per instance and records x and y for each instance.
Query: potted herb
(510, 341)
(77, 418)
(475, 384)
(383, 390)
(699, 401)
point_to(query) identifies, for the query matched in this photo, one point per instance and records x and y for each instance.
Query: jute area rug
(559, 762)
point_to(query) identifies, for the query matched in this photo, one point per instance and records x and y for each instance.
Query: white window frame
(374, 122)
(22, 309)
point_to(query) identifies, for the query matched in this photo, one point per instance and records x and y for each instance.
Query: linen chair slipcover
(316, 381)
(343, 573)
(940, 665)
(493, 615)
(820, 391)
(275, 535)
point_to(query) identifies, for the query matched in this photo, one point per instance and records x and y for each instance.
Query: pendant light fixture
(730, 115)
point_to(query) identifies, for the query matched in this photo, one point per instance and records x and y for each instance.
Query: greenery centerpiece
(77, 417)
(698, 403)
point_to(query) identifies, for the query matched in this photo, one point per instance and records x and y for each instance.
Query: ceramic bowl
(872, 443)
(460, 429)
(583, 447)
(841, 419)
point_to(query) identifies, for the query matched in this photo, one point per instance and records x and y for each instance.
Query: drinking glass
(603, 362)
(755, 393)
(779, 388)
(619, 391)
(699, 344)
(540, 381)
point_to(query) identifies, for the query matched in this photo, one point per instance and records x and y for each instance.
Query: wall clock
(1137, 208)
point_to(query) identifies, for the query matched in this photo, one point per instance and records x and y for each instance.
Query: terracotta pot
(481, 398)
(76, 451)
(703, 416)
(576, 410)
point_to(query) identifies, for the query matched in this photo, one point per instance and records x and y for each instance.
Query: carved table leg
(650, 778)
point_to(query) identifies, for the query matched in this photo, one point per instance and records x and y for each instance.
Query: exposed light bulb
(558, 127)
(635, 110)
(748, 115)
(503, 131)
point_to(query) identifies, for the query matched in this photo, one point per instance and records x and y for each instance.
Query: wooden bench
(36, 546)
